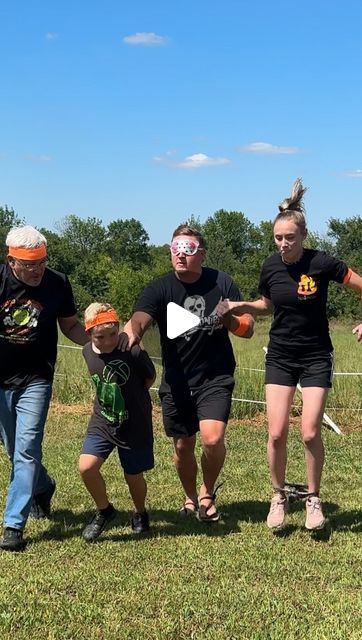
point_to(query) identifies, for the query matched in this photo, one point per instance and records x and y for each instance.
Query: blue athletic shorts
(133, 461)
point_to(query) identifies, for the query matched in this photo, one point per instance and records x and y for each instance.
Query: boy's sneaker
(140, 522)
(98, 522)
(277, 512)
(12, 540)
(315, 519)
(40, 507)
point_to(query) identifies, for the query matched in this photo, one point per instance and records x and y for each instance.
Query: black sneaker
(40, 507)
(140, 522)
(12, 540)
(98, 522)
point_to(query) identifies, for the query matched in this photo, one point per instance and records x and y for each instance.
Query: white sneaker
(277, 512)
(315, 519)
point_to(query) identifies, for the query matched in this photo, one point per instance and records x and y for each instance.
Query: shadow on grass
(346, 521)
(65, 524)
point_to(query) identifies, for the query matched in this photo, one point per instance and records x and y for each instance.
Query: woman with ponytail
(294, 287)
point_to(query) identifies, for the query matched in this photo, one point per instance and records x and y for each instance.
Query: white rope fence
(246, 400)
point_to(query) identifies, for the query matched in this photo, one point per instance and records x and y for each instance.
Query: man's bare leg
(212, 434)
(186, 466)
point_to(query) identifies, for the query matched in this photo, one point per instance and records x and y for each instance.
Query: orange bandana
(102, 318)
(23, 253)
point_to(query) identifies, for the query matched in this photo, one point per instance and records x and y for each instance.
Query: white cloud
(267, 148)
(147, 39)
(196, 161)
(51, 35)
(39, 158)
(357, 173)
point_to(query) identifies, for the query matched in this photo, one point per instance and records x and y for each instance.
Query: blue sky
(161, 109)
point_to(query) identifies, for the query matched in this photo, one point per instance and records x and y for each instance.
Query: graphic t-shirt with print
(28, 326)
(122, 410)
(299, 295)
(203, 354)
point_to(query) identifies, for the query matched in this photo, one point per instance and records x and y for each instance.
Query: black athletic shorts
(310, 369)
(182, 413)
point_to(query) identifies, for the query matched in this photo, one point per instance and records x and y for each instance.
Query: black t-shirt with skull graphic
(203, 354)
(299, 295)
(28, 326)
(122, 410)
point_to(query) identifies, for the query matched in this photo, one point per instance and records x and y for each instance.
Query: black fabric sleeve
(335, 268)
(149, 300)
(67, 308)
(228, 287)
(264, 287)
(234, 292)
(142, 363)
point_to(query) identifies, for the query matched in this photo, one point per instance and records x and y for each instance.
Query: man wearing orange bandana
(33, 298)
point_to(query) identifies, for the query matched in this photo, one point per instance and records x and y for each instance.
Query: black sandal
(203, 513)
(189, 508)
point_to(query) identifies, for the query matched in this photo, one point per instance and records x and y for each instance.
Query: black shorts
(182, 414)
(310, 369)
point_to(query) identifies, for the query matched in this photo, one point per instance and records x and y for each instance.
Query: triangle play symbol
(179, 320)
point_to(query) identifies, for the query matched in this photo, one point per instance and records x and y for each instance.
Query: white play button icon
(179, 320)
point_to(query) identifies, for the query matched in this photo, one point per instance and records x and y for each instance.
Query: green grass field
(233, 580)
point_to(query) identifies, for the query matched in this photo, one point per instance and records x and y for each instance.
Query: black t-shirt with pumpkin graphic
(28, 326)
(299, 295)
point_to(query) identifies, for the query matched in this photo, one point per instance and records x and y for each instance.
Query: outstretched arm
(355, 283)
(73, 329)
(135, 328)
(261, 307)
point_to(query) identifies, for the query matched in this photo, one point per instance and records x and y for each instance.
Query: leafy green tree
(347, 239)
(347, 243)
(93, 276)
(125, 285)
(60, 254)
(220, 256)
(127, 243)
(8, 220)
(83, 238)
(160, 259)
(233, 228)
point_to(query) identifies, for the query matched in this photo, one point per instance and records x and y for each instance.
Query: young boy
(121, 418)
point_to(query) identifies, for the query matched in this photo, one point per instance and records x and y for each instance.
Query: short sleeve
(335, 268)
(234, 292)
(150, 300)
(264, 286)
(229, 288)
(67, 308)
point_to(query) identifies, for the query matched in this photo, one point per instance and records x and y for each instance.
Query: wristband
(243, 326)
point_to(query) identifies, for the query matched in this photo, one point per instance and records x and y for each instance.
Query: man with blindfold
(33, 298)
(198, 366)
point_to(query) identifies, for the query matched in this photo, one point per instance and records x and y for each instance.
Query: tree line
(116, 261)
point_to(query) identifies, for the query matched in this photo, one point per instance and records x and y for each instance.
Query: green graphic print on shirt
(108, 388)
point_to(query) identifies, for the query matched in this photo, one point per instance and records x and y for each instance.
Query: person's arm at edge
(135, 328)
(146, 363)
(72, 328)
(261, 307)
(149, 381)
(355, 283)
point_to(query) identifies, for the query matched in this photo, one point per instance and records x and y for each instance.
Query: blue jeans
(23, 413)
